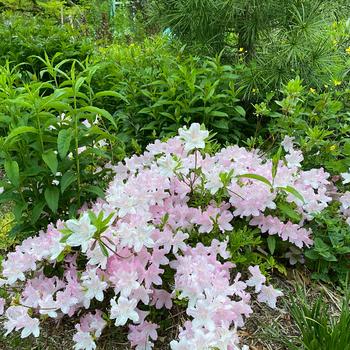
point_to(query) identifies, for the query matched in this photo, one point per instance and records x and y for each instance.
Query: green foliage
(329, 256)
(6, 223)
(279, 38)
(319, 328)
(165, 89)
(54, 143)
(319, 121)
(23, 37)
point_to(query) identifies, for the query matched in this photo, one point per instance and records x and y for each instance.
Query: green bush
(165, 89)
(318, 119)
(54, 143)
(328, 258)
(24, 36)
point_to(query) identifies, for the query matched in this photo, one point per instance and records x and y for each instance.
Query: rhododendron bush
(134, 251)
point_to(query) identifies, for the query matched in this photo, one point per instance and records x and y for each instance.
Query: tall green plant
(54, 143)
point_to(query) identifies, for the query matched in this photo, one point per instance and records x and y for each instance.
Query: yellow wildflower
(241, 49)
(333, 148)
(336, 82)
(312, 90)
(347, 50)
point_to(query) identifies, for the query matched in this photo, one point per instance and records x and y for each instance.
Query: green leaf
(21, 130)
(111, 94)
(37, 210)
(12, 172)
(287, 209)
(50, 158)
(18, 210)
(218, 114)
(95, 190)
(103, 248)
(293, 191)
(67, 179)
(271, 243)
(221, 124)
(64, 139)
(95, 110)
(346, 147)
(275, 161)
(52, 196)
(256, 177)
(240, 110)
(61, 257)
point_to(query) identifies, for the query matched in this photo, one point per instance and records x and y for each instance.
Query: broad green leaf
(95, 110)
(256, 177)
(240, 110)
(221, 124)
(64, 139)
(67, 179)
(111, 94)
(50, 158)
(18, 210)
(12, 172)
(52, 196)
(21, 130)
(95, 190)
(218, 114)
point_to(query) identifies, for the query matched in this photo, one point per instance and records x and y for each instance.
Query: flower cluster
(121, 251)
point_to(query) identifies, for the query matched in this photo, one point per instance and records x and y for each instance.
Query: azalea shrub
(161, 237)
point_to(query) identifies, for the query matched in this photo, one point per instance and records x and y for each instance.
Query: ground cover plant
(124, 254)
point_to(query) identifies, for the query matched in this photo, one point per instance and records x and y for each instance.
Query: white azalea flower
(194, 137)
(123, 311)
(82, 230)
(84, 341)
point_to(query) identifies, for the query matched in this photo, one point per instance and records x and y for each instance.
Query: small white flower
(287, 143)
(86, 123)
(55, 182)
(346, 177)
(81, 149)
(102, 143)
(1, 190)
(257, 280)
(96, 119)
(58, 173)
